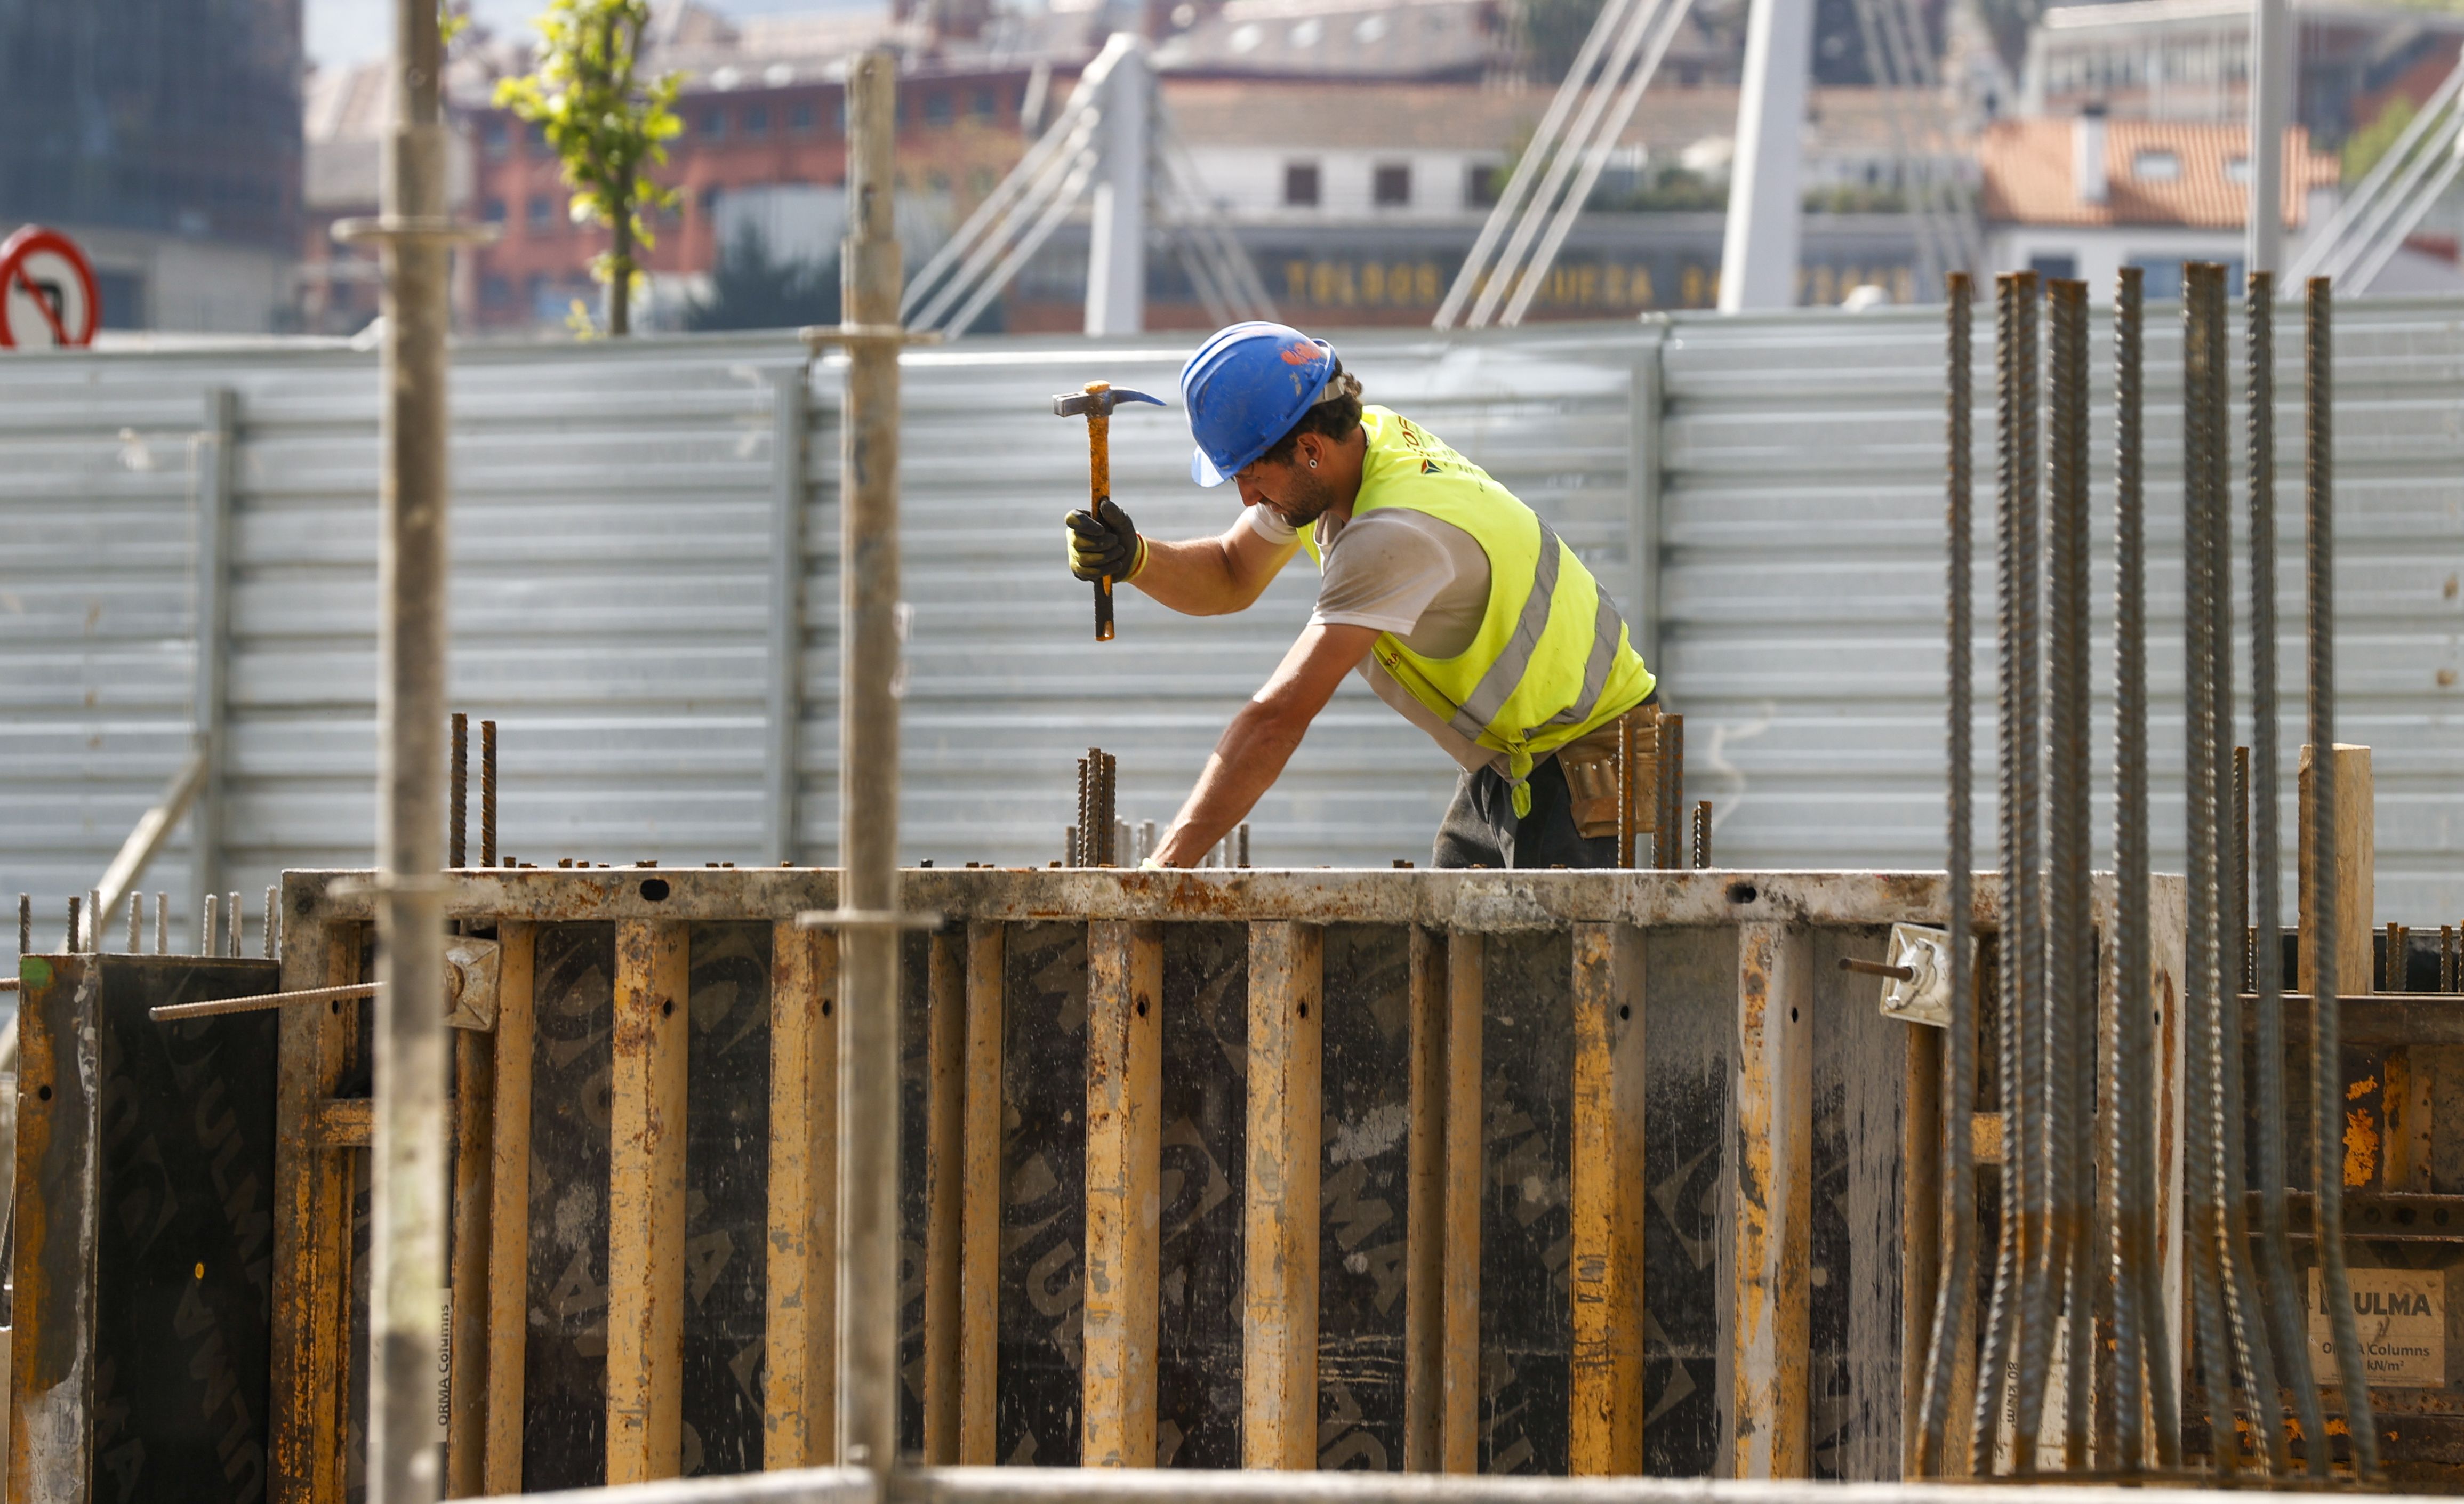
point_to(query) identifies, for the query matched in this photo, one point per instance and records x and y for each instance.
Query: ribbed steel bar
(1953, 1301)
(2319, 486)
(2203, 1186)
(2255, 1364)
(2019, 1315)
(2238, 960)
(457, 798)
(2287, 1330)
(2070, 991)
(2144, 1350)
(487, 793)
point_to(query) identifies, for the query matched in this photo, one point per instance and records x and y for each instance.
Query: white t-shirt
(1404, 572)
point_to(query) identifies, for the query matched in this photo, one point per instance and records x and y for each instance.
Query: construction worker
(1459, 607)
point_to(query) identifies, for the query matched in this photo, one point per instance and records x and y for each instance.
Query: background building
(165, 136)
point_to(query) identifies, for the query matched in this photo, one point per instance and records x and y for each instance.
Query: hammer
(1096, 403)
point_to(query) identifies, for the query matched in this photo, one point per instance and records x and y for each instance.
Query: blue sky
(345, 31)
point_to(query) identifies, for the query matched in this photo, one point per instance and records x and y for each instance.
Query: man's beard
(1311, 498)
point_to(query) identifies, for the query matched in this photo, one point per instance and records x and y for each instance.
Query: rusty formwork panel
(143, 1263)
(1539, 1172)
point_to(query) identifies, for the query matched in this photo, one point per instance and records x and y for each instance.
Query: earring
(1312, 465)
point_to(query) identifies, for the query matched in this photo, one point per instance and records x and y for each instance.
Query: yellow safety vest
(1551, 660)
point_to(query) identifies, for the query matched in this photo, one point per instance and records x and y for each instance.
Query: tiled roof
(2028, 177)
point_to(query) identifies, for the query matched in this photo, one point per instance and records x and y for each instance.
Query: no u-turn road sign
(48, 299)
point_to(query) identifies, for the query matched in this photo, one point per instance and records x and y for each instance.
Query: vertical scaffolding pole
(869, 782)
(407, 1289)
(1116, 255)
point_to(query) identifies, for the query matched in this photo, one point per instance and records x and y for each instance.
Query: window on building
(539, 213)
(493, 210)
(1480, 182)
(2236, 170)
(756, 120)
(1300, 185)
(938, 108)
(982, 103)
(713, 124)
(2156, 166)
(495, 136)
(2053, 266)
(1390, 185)
(799, 117)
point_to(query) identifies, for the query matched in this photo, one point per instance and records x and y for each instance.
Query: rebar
(1668, 838)
(2204, 1191)
(209, 932)
(2245, 1294)
(870, 679)
(2319, 488)
(95, 920)
(487, 793)
(25, 924)
(2019, 1318)
(1703, 835)
(2288, 1332)
(1953, 1298)
(272, 937)
(2143, 1366)
(76, 908)
(2237, 942)
(135, 923)
(457, 832)
(2070, 991)
(1242, 851)
(238, 928)
(161, 924)
(2447, 958)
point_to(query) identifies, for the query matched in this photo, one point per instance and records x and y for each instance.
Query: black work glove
(1105, 542)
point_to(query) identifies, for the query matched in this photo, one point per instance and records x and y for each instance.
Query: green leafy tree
(748, 290)
(607, 124)
(2364, 149)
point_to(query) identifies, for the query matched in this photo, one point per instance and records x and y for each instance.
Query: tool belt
(1591, 763)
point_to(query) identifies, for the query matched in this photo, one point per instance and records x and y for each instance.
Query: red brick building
(961, 129)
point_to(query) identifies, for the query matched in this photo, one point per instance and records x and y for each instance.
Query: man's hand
(1105, 542)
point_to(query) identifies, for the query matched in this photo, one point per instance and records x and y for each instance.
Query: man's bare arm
(1213, 576)
(1260, 739)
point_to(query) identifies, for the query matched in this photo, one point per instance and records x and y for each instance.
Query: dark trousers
(1481, 828)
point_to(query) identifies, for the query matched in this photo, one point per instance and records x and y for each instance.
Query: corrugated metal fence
(630, 516)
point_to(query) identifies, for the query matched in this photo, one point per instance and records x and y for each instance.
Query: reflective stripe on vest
(1408, 468)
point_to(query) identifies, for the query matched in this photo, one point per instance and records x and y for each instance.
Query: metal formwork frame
(1451, 916)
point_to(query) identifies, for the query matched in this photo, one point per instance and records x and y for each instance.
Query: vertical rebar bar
(2140, 1329)
(95, 920)
(2287, 1329)
(2236, 936)
(870, 276)
(2246, 1298)
(25, 924)
(1703, 834)
(1243, 849)
(1083, 840)
(487, 793)
(2204, 1191)
(207, 933)
(161, 924)
(458, 835)
(2318, 485)
(408, 1159)
(76, 906)
(1953, 1301)
(2002, 1310)
(273, 936)
(238, 928)
(136, 924)
(2070, 991)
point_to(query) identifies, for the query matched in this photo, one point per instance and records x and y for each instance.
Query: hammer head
(1098, 404)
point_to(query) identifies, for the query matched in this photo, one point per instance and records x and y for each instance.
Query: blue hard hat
(1245, 388)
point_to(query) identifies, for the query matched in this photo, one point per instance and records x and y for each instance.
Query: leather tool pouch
(1591, 767)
